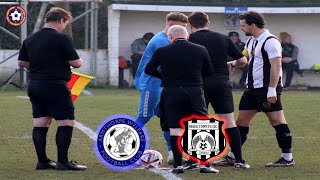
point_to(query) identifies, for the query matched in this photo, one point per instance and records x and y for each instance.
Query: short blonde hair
(177, 16)
(56, 14)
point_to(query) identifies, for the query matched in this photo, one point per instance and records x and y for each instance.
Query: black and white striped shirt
(259, 65)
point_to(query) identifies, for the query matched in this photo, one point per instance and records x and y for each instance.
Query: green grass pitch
(17, 154)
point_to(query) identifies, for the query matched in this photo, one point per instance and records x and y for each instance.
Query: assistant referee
(49, 54)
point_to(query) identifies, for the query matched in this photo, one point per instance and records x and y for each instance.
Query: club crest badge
(120, 142)
(16, 15)
(203, 139)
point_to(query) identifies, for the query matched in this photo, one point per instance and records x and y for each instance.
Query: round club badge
(16, 16)
(120, 142)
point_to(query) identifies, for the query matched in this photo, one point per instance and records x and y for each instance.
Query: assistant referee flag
(77, 83)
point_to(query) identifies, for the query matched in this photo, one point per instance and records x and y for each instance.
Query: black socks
(63, 140)
(39, 136)
(284, 137)
(235, 142)
(244, 131)
(176, 153)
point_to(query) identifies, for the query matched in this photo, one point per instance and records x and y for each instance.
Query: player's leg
(277, 119)
(61, 108)
(171, 109)
(221, 99)
(237, 131)
(39, 137)
(41, 124)
(199, 107)
(147, 106)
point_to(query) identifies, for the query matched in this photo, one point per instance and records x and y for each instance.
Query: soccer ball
(16, 15)
(151, 159)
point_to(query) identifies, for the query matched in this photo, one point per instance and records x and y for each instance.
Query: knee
(241, 121)
(66, 123)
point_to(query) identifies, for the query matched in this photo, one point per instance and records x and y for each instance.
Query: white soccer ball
(16, 15)
(151, 159)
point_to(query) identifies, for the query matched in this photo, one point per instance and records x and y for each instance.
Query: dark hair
(176, 16)
(253, 17)
(198, 19)
(148, 36)
(56, 14)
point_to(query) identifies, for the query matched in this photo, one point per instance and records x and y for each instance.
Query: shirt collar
(263, 35)
(180, 39)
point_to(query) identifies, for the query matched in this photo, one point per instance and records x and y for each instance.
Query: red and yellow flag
(77, 83)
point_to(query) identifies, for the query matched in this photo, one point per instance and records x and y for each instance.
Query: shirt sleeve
(245, 52)
(23, 54)
(154, 63)
(233, 50)
(273, 48)
(70, 52)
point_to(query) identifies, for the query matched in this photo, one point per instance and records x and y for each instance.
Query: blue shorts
(149, 104)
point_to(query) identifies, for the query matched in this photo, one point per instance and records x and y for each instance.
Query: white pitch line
(92, 135)
(166, 174)
(23, 97)
(86, 92)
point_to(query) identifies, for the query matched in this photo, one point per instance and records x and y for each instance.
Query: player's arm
(23, 59)
(274, 79)
(240, 59)
(152, 67)
(274, 49)
(76, 63)
(70, 53)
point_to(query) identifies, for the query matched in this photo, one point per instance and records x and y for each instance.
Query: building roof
(219, 3)
(214, 9)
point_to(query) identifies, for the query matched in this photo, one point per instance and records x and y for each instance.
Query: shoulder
(272, 41)
(64, 36)
(197, 46)
(159, 39)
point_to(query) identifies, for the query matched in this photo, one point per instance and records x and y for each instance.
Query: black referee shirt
(48, 53)
(219, 47)
(182, 63)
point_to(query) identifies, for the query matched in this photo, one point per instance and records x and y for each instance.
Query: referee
(218, 90)
(182, 65)
(48, 54)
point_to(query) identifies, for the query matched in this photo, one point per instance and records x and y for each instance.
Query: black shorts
(218, 91)
(51, 98)
(180, 102)
(256, 99)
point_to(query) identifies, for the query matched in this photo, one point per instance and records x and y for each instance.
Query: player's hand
(272, 95)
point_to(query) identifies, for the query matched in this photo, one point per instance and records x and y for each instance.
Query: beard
(248, 34)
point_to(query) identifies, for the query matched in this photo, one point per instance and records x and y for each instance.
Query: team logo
(203, 139)
(120, 142)
(16, 16)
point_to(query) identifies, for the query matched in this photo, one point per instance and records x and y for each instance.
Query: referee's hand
(231, 69)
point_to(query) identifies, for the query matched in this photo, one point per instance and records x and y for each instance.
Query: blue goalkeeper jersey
(142, 81)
